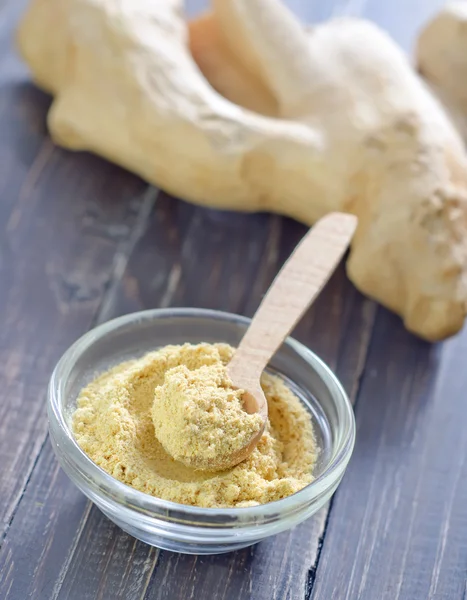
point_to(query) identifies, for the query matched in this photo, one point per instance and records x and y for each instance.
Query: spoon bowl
(179, 527)
(294, 289)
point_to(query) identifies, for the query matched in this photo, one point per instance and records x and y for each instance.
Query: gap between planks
(125, 249)
(372, 311)
(124, 252)
(149, 198)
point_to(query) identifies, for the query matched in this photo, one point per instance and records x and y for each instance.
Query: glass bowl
(178, 527)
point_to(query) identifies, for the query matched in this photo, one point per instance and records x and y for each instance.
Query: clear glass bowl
(178, 527)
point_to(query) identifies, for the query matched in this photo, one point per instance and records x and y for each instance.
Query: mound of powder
(113, 424)
(199, 418)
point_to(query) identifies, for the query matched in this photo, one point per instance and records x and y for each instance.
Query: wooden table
(82, 241)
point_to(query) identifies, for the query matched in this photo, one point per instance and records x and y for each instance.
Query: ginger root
(441, 55)
(270, 117)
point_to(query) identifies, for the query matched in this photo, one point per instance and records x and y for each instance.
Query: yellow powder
(113, 424)
(199, 418)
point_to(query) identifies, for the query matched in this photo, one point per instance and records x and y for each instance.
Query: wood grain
(89, 543)
(279, 567)
(300, 280)
(81, 243)
(50, 294)
(398, 523)
(62, 219)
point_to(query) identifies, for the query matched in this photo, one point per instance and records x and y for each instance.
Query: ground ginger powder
(199, 418)
(113, 424)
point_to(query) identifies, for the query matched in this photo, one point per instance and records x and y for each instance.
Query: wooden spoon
(294, 289)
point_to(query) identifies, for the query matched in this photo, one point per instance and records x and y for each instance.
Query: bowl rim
(114, 490)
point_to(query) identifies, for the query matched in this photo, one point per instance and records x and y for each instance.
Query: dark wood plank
(274, 569)
(398, 523)
(50, 504)
(57, 545)
(190, 242)
(279, 567)
(50, 294)
(61, 220)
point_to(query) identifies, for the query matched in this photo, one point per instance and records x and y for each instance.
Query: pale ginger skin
(347, 126)
(441, 55)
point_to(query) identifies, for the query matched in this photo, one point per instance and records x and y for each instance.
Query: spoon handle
(295, 287)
